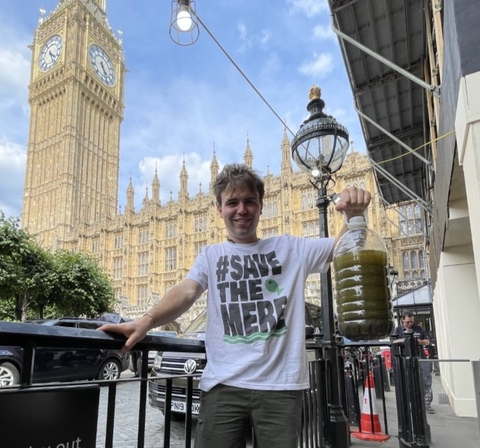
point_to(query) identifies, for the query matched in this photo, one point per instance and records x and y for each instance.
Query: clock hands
(103, 68)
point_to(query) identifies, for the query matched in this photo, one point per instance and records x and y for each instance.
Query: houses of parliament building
(76, 95)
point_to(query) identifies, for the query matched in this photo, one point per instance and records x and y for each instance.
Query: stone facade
(71, 184)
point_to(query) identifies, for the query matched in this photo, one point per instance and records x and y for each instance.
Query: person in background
(408, 323)
(255, 337)
(432, 353)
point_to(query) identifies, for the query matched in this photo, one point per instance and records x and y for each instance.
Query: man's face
(408, 322)
(240, 210)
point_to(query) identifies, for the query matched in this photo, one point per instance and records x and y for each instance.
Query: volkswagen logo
(190, 366)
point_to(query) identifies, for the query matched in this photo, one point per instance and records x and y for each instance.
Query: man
(408, 323)
(255, 338)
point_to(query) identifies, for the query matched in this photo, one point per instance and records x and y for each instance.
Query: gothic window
(413, 260)
(117, 267)
(267, 233)
(406, 261)
(270, 208)
(310, 201)
(170, 258)
(413, 264)
(118, 294)
(421, 261)
(307, 201)
(311, 229)
(410, 220)
(95, 246)
(118, 243)
(171, 229)
(142, 293)
(199, 246)
(143, 236)
(201, 222)
(143, 261)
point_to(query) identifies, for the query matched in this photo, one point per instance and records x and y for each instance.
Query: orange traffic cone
(370, 428)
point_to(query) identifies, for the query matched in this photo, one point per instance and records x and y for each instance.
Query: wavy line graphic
(255, 337)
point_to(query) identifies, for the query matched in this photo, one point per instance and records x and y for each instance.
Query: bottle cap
(357, 222)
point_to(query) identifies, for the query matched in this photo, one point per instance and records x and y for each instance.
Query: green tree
(83, 289)
(25, 269)
(35, 283)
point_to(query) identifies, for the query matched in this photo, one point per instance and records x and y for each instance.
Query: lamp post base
(339, 428)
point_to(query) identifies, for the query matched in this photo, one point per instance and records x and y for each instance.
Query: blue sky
(182, 102)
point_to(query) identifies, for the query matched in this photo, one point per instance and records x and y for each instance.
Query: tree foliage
(83, 289)
(35, 283)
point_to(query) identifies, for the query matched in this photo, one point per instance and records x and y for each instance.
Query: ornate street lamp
(319, 148)
(184, 28)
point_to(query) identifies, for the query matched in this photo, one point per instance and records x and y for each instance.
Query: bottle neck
(357, 222)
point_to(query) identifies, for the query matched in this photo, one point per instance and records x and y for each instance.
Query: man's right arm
(175, 302)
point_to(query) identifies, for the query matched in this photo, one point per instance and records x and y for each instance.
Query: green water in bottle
(362, 291)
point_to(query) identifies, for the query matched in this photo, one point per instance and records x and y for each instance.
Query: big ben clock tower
(77, 102)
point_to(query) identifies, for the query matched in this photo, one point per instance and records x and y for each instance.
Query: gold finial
(314, 93)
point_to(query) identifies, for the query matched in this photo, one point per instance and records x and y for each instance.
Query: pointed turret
(286, 149)
(183, 181)
(248, 156)
(214, 169)
(130, 206)
(145, 199)
(156, 189)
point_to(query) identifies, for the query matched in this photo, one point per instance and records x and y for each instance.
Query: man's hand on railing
(134, 331)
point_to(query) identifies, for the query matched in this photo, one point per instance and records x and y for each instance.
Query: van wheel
(110, 370)
(9, 375)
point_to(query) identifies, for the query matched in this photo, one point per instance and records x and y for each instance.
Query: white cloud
(319, 67)
(310, 8)
(168, 170)
(266, 36)
(13, 158)
(323, 32)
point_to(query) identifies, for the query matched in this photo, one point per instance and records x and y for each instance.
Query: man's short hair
(237, 175)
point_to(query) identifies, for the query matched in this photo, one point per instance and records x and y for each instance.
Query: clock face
(50, 53)
(102, 65)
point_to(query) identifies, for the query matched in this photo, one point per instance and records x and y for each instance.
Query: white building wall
(456, 296)
(457, 312)
(467, 129)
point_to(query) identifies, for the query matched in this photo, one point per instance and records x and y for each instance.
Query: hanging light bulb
(184, 19)
(183, 22)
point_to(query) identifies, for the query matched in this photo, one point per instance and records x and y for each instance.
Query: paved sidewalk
(447, 430)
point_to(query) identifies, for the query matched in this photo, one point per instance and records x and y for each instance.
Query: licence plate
(179, 406)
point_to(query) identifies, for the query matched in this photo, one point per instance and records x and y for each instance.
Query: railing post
(421, 429)
(403, 414)
(476, 385)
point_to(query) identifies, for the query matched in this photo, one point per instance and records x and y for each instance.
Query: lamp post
(319, 148)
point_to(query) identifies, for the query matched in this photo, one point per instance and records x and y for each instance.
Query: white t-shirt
(255, 336)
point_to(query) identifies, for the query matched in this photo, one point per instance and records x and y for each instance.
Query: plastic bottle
(363, 299)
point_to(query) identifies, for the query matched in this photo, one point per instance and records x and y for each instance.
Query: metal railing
(360, 363)
(31, 336)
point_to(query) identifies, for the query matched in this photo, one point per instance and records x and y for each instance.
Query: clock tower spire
(77, 100)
